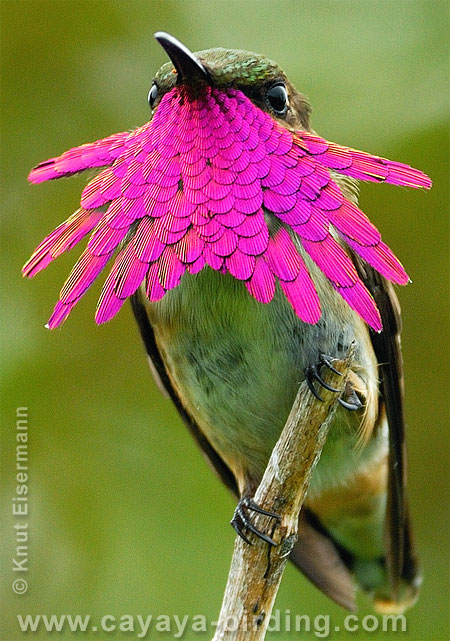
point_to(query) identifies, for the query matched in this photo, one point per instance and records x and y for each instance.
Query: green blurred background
(126, 517)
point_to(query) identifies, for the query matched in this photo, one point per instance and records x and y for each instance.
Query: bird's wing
(148, 337)
(401, 561)
(314, 554)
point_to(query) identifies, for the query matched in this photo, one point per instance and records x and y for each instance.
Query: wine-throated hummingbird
(250, 267)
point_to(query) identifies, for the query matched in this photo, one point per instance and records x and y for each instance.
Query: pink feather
(197, 186)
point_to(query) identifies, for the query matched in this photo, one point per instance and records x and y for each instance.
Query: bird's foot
(312, 373)
(241, 520)
(352, 402)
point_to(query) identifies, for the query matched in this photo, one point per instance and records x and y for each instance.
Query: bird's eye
(277, 97)
(152, 95)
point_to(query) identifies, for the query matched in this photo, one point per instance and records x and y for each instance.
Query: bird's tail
(341, 546)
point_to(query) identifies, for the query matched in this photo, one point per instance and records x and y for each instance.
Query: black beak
(189, 69)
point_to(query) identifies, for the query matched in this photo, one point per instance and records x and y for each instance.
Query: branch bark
(256, 572)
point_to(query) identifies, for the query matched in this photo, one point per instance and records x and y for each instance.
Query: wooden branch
(256, 572)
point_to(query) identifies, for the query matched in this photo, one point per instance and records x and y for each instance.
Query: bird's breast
(236, 364)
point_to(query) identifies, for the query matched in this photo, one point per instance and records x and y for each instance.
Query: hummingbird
(234, 228)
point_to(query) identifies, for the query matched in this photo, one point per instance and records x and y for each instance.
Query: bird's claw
(312, 373)
(241, 520)
(352, 403)
(327, 360)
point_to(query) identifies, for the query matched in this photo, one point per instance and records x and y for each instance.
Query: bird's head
(257, 77)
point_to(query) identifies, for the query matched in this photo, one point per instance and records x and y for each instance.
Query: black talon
(251, 505)
(353, 403)
(249, 525)
(348, 406)
(326, 360)
(238, 527)
(241, 521)
(310, 377)
(312, 373)
(324, 383)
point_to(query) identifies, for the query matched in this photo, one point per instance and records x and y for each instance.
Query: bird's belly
(237, 364)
